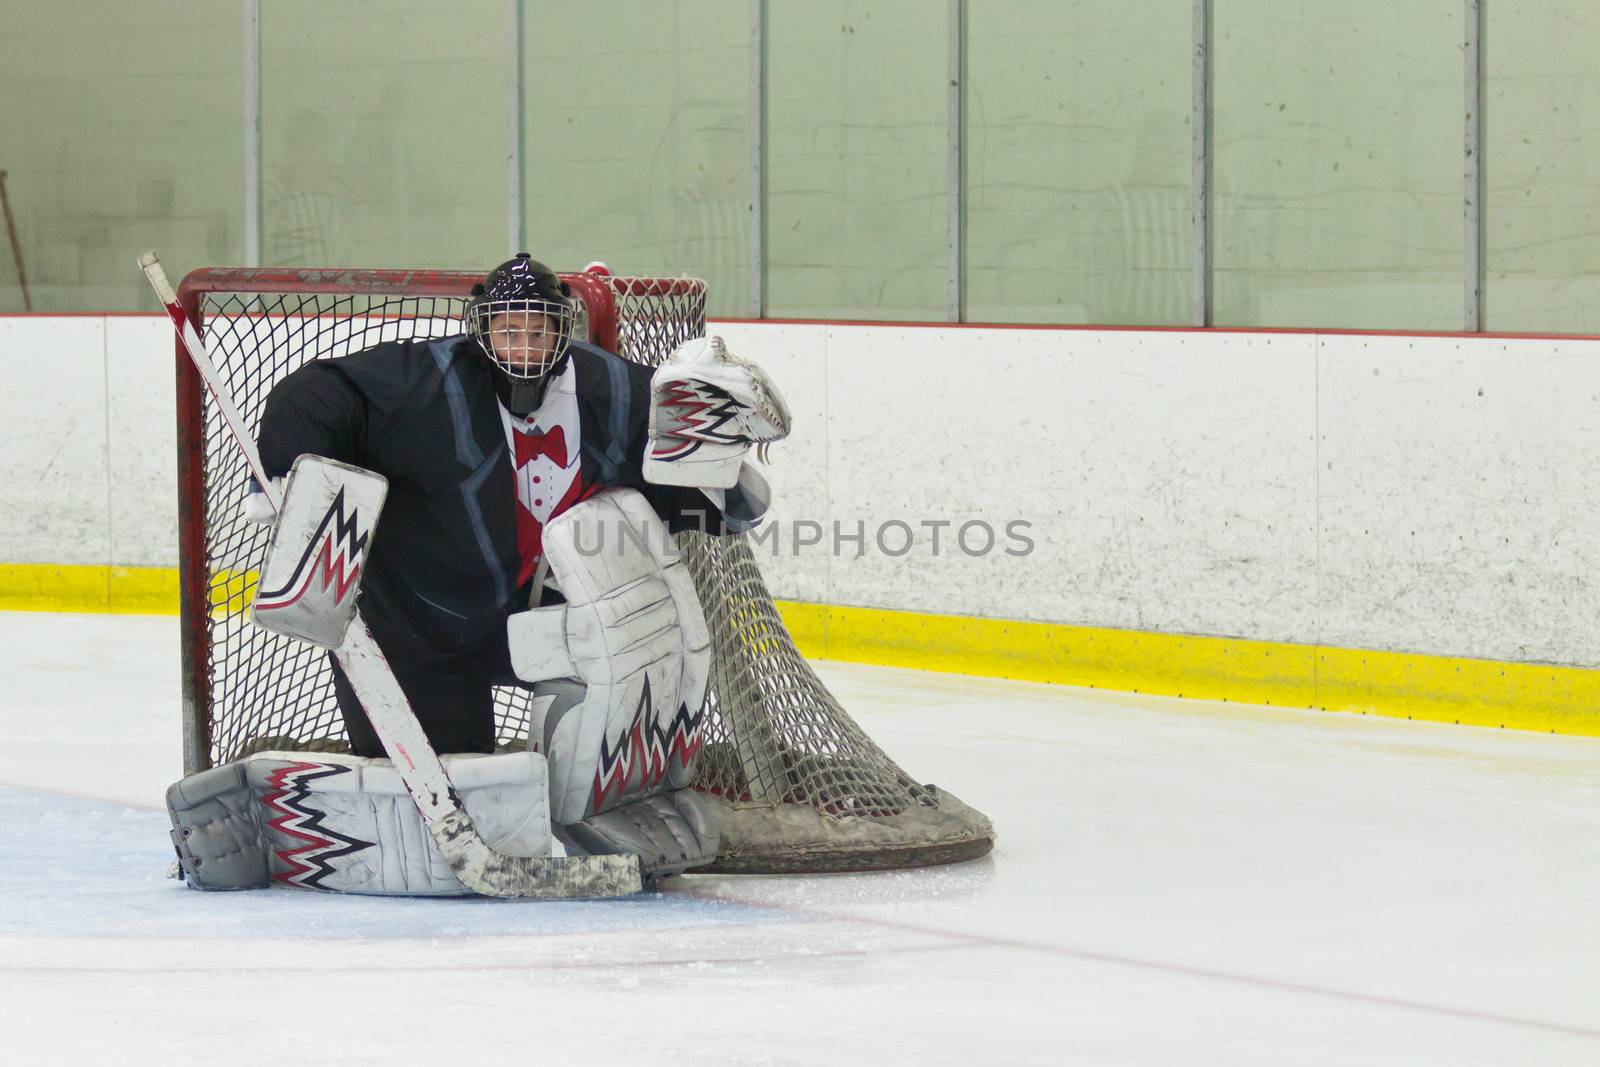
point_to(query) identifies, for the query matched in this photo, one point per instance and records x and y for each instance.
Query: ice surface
(1177, 882)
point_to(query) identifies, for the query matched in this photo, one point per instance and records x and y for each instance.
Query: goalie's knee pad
(346, 823)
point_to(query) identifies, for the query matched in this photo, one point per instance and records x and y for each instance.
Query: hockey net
(795, 783)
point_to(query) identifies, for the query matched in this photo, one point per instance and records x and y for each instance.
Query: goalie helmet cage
(794, 782)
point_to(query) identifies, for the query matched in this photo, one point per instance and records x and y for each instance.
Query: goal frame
(795, 784)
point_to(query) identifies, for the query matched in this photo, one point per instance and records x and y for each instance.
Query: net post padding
(796, 785)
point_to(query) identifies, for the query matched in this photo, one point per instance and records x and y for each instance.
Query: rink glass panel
(857, 159)
(383, 133)
(1078, 166)
(647, 152)
(123, 130)
(1337, 164)
(1542, 201)
(795, 783)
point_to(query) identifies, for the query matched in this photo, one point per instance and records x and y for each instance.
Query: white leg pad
(635, 636)
(347, 823)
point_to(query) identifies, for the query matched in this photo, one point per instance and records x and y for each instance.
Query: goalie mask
(521, 317)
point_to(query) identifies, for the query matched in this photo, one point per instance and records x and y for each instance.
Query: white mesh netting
(795, 783)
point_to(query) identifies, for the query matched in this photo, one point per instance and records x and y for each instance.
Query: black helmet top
(522, 317)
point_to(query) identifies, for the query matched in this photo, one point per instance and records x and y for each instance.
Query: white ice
(1177, 882)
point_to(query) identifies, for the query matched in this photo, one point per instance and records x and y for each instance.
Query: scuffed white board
(53, 483)
(141, 377)
(1173, 480)
(1168, 476)
(1459, 484)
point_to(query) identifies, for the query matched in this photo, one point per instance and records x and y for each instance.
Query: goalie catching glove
(707, 407)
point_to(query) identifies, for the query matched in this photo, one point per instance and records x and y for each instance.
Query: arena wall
(1409, 515)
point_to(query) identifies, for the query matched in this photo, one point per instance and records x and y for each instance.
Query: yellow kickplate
(1399, 684)
(1521, 696)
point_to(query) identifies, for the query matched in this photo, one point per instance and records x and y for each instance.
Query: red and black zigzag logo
(310, 861)
(334, 552)
(647, 748)
(700, 411)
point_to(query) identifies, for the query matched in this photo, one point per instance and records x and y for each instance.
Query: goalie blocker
(313, 568)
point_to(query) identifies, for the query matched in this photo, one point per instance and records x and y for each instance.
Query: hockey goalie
(529, 485)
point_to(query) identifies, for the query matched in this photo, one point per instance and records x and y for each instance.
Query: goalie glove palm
(707, 407)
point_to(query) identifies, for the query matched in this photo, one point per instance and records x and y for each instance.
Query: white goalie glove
(707, 408)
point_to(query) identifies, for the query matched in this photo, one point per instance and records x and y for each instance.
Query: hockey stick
(477, 866)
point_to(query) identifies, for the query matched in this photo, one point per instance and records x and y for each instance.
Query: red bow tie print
(552, 443)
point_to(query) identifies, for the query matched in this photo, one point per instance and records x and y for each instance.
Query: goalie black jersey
(444, 568)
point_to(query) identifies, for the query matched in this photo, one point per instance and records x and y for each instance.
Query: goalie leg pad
(637, 639)
(669, 832)
(347, 823)
(694, 677)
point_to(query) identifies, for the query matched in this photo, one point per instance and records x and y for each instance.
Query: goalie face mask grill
(522, 319)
